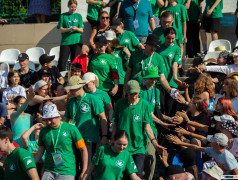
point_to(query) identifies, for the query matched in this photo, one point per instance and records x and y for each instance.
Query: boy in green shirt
(60, 141)
(19, 163)
(211, 21)
(133, 115)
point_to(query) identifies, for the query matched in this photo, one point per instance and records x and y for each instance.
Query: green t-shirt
(159, 31)
(150, 98)
(67, 20)
(17, 163)
(103, 65)
(68, 137)
(170, 54)
(132, 119)
(93, 11)
(121, 59)
(113, 9)
(129, 40)
(103, 96)
(155, 7)
(111, 165)
(217, 12)
(136, 60)
(180, 15)
(85, 115)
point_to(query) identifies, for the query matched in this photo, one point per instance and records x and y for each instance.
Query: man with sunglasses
(60, 141)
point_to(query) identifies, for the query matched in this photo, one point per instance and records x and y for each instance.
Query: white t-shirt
(234, 101)
(227, 69)
(11, 92)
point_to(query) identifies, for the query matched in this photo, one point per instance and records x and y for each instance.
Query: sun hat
(115, 23)
(151, 72)
(152, 39)
(45, 58)
(223, 118)
(235, 52)
(231, 126)
(100, 40)
(220, 138)
(214, 171)
(220, 48)
(50, 111)
(22, 57)
(75, 82)
(132, 87)
(89, 76)
(39, 84)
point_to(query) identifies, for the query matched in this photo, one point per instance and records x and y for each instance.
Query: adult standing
(136, 15)
(40, 9)
(19, 162)
(86, 112)
(133, 115)
(211, 21)
(71, 28)
(60, 140)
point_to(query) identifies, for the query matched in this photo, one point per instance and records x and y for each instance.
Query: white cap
(39, 84)
(110, 35)
(220, 138)
(223, 118)
(50, 111)
(89, 76)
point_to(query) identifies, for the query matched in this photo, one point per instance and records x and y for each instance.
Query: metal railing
(13, 10)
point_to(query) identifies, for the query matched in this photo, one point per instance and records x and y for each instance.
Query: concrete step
(188, 66)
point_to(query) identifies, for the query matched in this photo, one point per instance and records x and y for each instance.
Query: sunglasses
(104, 17)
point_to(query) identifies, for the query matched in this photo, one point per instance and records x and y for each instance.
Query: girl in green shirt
(111, 161)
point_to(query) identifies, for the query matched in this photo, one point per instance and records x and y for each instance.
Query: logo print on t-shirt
(64, 134)
(12, 167)
(170, 55)
(119, 163)
(28, 162)
(84, 108)
(126, 40)
(103, 61)
(137, 118)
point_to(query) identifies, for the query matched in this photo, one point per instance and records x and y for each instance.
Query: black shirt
(27, 79)
(202, 119)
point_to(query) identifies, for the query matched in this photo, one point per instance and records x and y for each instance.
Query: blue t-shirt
(225, 158)
(3, 110)
(143, 14)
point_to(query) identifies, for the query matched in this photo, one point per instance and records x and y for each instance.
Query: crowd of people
(118, 114)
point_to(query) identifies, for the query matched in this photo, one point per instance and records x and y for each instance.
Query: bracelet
(153, 139)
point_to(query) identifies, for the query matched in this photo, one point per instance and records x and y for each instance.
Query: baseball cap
(214, 171)
(89, 76)
(76, 65)
(39, 84)
(22, 57)
(223, 118)
(50, 111)
(75, 82)
(220, 138)
(132, 87)
(45, 58)
(100, 40)
(174, 169)
(42, 72)
(110, 35)
(235, 52)
(115, 23)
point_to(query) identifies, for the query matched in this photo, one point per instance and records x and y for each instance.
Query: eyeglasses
(104, 17)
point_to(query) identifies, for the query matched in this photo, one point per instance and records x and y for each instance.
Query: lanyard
(74, 114)
(71, 23)
(121, 37)
(150, 100)
(57, 137)
(142, 62)
(135, 8)
(162, 49)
